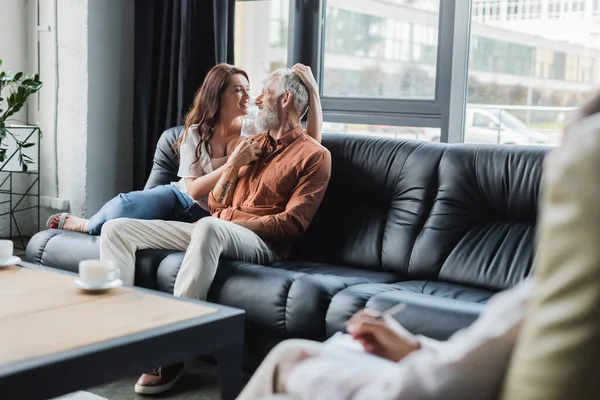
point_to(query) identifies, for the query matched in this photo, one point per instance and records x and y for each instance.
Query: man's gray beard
(267, 120)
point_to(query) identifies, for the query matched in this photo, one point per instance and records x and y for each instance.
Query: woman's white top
(190, 168)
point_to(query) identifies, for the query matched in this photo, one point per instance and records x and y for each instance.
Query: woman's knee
(163, 196)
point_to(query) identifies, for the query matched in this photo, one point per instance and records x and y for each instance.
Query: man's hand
(305, 73)
(245, 153)
(379, 337)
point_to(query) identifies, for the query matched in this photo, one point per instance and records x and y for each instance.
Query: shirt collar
(288, 137)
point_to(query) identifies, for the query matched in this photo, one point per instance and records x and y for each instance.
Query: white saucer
(93, 288)
(11, 261)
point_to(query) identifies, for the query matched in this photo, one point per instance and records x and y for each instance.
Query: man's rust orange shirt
(282, 190)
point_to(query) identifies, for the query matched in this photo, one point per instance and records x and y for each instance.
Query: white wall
(95, 106)
(14, 53)
(44, 113)
(85, 61)
(73, 108)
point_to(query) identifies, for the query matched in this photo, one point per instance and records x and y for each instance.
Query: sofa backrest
(166, 159)
(482, 224)
(457, 213)
(378, 199)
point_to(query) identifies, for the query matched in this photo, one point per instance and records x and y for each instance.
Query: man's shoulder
(311, 146)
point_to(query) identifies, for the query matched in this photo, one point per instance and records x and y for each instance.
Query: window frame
(307, 39)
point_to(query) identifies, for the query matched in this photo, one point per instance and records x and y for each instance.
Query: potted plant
(20, 87)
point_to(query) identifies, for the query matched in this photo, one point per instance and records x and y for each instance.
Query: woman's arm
(190, 168)
(199, 188)
(223, 191)
(245, 153)
(314, 121)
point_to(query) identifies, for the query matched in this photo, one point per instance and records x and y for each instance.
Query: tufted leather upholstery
(480, 230)
(434, 309)
(377, 201)
(439, 227)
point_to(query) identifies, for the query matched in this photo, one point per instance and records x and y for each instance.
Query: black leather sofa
(438, 227)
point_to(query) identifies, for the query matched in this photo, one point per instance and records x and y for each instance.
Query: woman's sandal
(62, 218)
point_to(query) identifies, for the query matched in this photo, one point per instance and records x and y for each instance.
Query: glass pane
(397, 132)
(530, 66)
(381, 48)
(261, 38)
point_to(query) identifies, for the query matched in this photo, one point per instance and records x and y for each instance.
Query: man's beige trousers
(204, 243)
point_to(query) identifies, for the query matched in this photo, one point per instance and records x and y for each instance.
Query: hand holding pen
(381, 335)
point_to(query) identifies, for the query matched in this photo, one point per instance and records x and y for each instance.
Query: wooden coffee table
(56, 339)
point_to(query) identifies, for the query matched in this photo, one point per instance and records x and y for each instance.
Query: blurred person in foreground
(538, 340)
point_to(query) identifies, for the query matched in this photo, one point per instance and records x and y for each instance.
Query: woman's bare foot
(72, 223)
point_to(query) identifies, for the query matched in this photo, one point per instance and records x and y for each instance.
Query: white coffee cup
(6, 250)
(97, 272)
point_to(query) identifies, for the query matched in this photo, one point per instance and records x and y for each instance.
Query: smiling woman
(212, 128)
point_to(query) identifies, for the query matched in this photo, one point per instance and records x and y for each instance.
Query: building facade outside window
(530, 61)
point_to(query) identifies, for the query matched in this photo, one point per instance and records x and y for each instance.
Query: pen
(390, 311)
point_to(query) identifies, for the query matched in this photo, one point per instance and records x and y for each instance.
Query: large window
(508, 71)
(528, 69)
(381, 49)
(379, 62)
(376, 60)
(261, 38)
(387, 131)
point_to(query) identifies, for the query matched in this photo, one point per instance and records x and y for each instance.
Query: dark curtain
(176, 43)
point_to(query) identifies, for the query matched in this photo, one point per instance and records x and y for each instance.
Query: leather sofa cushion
(290, 298)
(166, 159)
(481, 229)
(147, 264)
(378, 198)
(64, 250)
(433, 309)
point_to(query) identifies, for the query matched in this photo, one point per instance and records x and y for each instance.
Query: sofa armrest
(62, 249)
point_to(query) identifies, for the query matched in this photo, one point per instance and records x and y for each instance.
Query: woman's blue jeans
(161, 202)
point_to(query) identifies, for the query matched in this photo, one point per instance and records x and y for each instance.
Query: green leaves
(20, 88)
(24, 159)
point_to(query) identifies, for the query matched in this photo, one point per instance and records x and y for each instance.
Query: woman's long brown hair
(206, 108)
